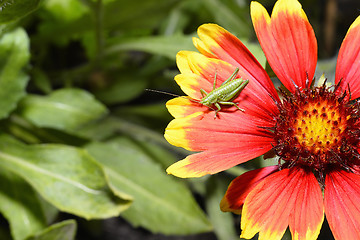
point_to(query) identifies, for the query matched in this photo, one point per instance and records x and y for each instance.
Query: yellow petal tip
(179, 169)
(355, 24)
(257, 11)
(184, 169)
(290, 6)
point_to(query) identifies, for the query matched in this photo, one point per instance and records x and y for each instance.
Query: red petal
(230, 130)
(348, 63)
(278, 201)
(217, 160)
(240, 187)
(342, 198)
(308, 216)
(288, 41)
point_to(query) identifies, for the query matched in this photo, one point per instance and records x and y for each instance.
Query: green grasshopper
(224, 94)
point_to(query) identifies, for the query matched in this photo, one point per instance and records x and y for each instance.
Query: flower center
(318, 128)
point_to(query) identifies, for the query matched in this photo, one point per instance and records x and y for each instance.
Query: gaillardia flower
(313, 131)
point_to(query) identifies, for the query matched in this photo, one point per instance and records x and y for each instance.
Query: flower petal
(240, 187)
(232, 129)
(191, 84)
(198, 72)
(181, 107)
(216, 42)
(341, 198)
(216, 160)
(288, 41)
(308, 216)
(273, 205)
(348, 63)
(230, 139)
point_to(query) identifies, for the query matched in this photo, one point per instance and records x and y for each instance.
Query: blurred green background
(81, 142)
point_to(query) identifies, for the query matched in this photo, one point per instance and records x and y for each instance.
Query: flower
(313, 131)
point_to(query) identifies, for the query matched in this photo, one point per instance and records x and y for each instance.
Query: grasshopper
(224, 94)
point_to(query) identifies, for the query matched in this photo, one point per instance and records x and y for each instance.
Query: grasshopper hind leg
(232, 104)
(239, 107)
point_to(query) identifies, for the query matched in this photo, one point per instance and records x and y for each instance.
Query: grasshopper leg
(217, 105)
(232, 77)
(203, 93)
(214, 86)
(232, 104)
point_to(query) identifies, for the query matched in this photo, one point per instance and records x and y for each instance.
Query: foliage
(80, 135)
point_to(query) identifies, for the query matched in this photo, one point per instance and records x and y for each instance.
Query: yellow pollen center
(318, 127)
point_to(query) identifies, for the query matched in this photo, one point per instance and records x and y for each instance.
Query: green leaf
(13, 10)
(227, 18)
(119, 14)
(223, 222)
(166, 46)
(161, 204)
(41, 80)
(66, 177)
(129, 14)
(20, 205)
(100, 130)
(65, 109)
(124, 88)
(14, 55)
(60, 231)
(51, 212)
(106, 128)
(66, 10)
(158, 153)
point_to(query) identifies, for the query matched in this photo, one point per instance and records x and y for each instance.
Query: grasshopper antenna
(172, 94)
(176, 95)
(167, 93)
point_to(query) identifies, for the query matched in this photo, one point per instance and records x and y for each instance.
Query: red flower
(314, 131)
